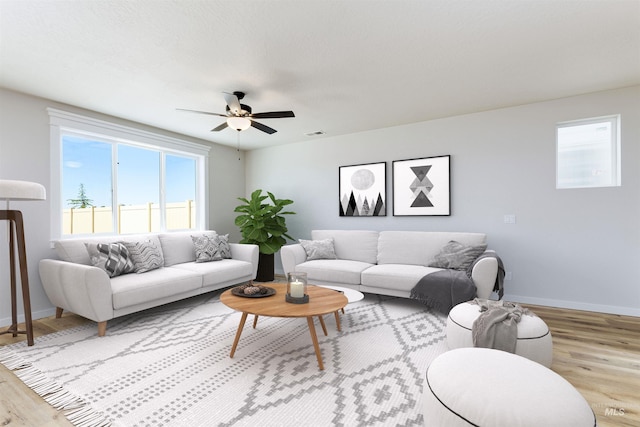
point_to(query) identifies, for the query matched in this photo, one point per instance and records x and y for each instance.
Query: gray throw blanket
(444, 289)
(497, 325)
(447, 288)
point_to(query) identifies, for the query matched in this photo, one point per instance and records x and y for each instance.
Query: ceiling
(342, 66)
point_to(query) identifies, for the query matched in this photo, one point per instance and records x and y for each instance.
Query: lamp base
(294, 300)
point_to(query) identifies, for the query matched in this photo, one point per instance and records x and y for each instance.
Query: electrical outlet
(508, 275)
(510, 219)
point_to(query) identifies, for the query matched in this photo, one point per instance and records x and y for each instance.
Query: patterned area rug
(170, 366)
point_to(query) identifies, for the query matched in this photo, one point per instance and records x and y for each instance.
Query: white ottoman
(534, 338)
(487, 388)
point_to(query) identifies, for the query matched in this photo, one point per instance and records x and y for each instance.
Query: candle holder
(297, 288)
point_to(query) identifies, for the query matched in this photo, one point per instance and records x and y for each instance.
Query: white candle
(296, 289)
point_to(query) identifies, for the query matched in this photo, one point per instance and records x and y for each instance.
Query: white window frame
(63, 122)
(616, 154)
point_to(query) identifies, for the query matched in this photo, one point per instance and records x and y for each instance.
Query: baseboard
(574, 305)
(6, 321)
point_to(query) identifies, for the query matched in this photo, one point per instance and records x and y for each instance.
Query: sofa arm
(291, 256)
(248, 253)
(484, 274)
(79, 288)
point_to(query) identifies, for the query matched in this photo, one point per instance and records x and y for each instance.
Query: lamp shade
(21, 190)
(239, 123)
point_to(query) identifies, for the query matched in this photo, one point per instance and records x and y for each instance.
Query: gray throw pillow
(211, 247)
(146, 255)
(318, 249)
(225, 248)
(113, 258)
(457, 256)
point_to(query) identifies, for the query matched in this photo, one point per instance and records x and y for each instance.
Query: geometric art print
(421, 186)
(362, 190)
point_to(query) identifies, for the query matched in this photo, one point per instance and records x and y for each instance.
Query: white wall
(569, 248)
(24, 155)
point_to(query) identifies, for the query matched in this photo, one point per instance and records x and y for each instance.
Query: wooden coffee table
(321, 301)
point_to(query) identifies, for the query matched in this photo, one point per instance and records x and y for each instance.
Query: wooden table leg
(255, 320)
(238, 333)
(314, 338)
(324, 327)
(337, 321)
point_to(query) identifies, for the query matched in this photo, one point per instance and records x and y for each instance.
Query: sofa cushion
(113, 258)
(318, 249)
(399, 277)
(177, 247)
(355, 245)
(457, 256)
(333, 270)
(221, 271)
(419, 247)
(133, 289)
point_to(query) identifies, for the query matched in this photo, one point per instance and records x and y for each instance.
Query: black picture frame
(422, 186)
(362, 189)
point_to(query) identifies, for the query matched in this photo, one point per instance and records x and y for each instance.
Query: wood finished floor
(598, 353)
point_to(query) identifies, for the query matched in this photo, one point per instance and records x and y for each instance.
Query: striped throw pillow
(146, 255)
(113, 258)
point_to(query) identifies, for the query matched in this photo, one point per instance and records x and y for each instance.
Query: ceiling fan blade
(273, 115)
(232, 102)
(219, 128)
(202, 112)
(263, 128)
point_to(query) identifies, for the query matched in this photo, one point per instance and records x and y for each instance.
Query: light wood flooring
(598, 353)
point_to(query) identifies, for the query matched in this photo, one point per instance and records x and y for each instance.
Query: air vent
(316, 133)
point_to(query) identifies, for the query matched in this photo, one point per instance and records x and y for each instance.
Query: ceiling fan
(240, 117)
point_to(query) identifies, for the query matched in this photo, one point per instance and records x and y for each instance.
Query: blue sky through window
(88, 162)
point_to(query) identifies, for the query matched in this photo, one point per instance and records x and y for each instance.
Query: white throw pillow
(318, 249)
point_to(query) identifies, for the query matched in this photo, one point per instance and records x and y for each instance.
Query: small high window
(588, 153)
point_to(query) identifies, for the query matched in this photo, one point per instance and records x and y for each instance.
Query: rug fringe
(75, 409)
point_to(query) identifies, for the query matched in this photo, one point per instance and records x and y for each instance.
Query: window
(588, 153)
(112, 179)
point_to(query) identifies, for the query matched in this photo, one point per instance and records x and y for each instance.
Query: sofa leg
(102, 328)
(59, 312)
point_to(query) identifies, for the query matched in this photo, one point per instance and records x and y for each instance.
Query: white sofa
(385, 262)
(73, 284)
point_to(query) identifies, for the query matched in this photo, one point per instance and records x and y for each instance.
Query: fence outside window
(131, 218)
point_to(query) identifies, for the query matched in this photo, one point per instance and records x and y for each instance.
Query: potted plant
(262, 224)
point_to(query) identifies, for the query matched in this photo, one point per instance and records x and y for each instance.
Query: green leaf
(262, 222)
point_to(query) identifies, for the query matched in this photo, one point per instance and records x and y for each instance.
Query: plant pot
(265, 268)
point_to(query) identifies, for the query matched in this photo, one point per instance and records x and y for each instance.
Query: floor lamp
(19, 190)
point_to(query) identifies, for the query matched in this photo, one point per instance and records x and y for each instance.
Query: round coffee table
(352, 296)
(321, 301)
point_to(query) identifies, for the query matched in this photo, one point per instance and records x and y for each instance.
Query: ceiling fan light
(239, 123)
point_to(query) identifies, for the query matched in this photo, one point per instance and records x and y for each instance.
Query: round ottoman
(534, 339)
(486, 387)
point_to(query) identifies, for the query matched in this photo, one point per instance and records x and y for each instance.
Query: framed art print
(422, 186)
(362, 189)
